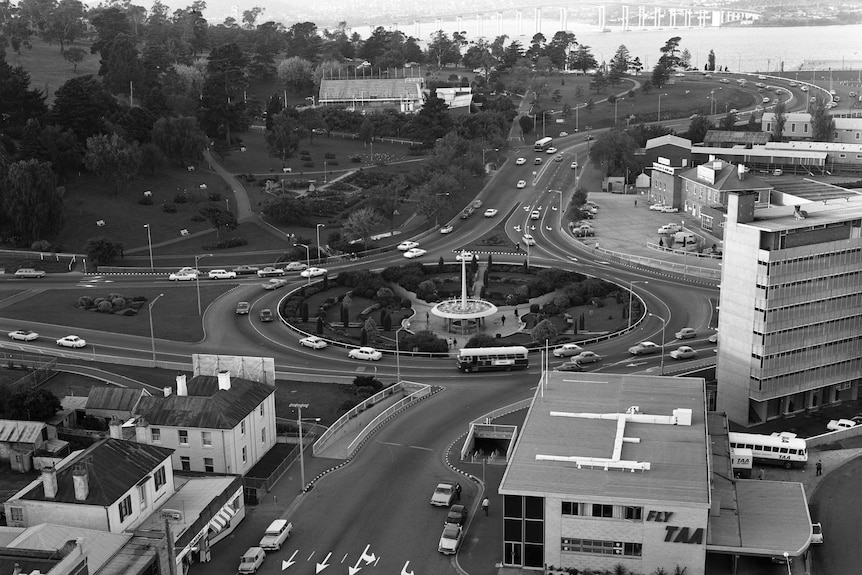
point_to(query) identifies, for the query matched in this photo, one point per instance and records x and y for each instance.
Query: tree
(181, 139)
(545, 332)
(557, 50)
(101, 251)
(31, 405)
(710, 61)
(360, 223)
(667, 62)
(582, 59)
(283, 138)
(822, 124)
(218, 218)
(296, 73)
(18, 102)
(113, 158)
(370, 328)
(443, 50)
(599, 81)
(31, 201)
(728, 122)
(685, 58)
(81, 105)
(615, 150)
(779, 121)
(222, 108)
(302, 40)
(74, 56)
(525, 122)
(621, 62)
(122, 67)
(698, 128)
(65, 23)
(109, 23)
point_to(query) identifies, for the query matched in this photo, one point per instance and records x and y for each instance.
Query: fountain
(463, 315)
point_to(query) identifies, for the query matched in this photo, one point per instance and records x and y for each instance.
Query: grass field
(48, 69)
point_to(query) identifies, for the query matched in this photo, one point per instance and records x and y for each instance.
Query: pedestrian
(760, 473)
(454, 342)
(516, 312)
(636, 202)
(458, 491)
(819, 467)
(485, 505)
(503, 320)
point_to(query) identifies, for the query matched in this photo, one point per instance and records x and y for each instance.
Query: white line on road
(422, 448)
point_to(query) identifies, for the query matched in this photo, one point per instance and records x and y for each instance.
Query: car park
(23, 335)
(567, 350)
(245, 270)
(520, 161)
(447, 229)
(551, 151)
(251, 560)
(444, 494)
(464, 255)
(295, 267)
(365, 353)
(685, 333)
(450, 539)
(242, 308)
(270, 272)
(414, 253)
(528, 239)
(521, 184)
(313, 272)
(274, 283)
(265, 315)
(182, 277)
(457, 515)
(490, 213)
(71, 341)
(29, 273)
(276, 534)
(221, 275)
(816, 533)
(407, 245)
(644, 348)
(669, 229)
(535, 215)
(313, 342)
(586, 357)
(683, 352)
(537, 161)
(569, 366)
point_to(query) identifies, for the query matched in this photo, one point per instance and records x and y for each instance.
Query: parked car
(456, 516)
(188, 270)
(490, 213)
(535, 215)
(836, 424)
(713, 338)
(242, 308)
(669, 210)
(270, 271)
(450, 539)
(683, 352)
(583, 231)
(29, 273)
(245, 270)
(313, 272)
(407, 245)
(656, 207)
(564, 134)
(295, 267)
(520, 161)
(313, 342)
(586, 357)
(644, 348)
(528, 239)
(265, 315)
(23, 335)
(669, 229)
(569, 366)
(71, 341)
(276, 534)
(414, 253)
(274, 283)
(221, 275)
(685, 333)
(251, 560)
(447, 229)
(444, 495)
(521, 184)
(567, 350)
(366, 353)
(816, 533)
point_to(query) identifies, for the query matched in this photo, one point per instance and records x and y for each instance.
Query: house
(676, 150)
(22, 441)
(66, 559)
(459, 99)
(214, 424)
(96, 547)
(374, 94)
(109, 402)
(110, 486)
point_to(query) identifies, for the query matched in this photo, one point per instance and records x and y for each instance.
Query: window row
(826, 260)
(600, 547)
(627, 512)
(819, 376)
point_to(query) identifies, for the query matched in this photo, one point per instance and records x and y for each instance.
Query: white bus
(779, 448)
(543, 144)
(488, 358)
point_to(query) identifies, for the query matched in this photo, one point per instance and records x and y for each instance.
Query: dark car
(245, 270)
(456, 516)
(569, 366)
(467, 213)
(265, 315)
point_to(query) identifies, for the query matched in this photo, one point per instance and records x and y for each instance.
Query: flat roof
(676, 454)
(781, 218)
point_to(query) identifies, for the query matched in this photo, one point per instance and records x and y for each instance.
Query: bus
(488, 358)
(779, 448)
(543, 144)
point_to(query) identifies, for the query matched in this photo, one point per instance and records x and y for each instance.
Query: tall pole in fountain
(463, 282)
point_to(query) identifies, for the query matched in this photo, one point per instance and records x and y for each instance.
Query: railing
(266, 483)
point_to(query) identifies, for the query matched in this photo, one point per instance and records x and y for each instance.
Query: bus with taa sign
(779, 448)
(543, 144)
(493, 358)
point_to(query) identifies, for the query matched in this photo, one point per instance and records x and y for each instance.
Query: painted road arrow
(404, 570)
(289, 562)
(321, 566)
(364, 557)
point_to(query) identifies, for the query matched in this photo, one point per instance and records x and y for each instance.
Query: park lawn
(48, 69)
(175, 315)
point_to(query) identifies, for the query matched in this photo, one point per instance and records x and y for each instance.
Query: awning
(222, 519)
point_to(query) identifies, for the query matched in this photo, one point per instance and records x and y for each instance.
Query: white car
(221, 275)
(816, 533)
(804, 88)
(683, 352)
(71, 341)
(669, 229)
(656, 207)
(269, 272)
(586, 357)
(521, 184)
(313, 342)
(367, 353)
(192, 271)
(520, 161)
(407, 245)
(644, 348)
(551, 151)
(567, 350)
(574, 165)
(490, 213)
(313, 272)
(537, 161)
(679, 75)
(182, 277)
(450, 540)
(295, 267)
(563, 134)
(447, 229)
(558, 158)
(24, 335)
(528, 239)
(414, 253)
(669, 210)
(444, 495)
(535, 215)
(465, 256)
(274, 283)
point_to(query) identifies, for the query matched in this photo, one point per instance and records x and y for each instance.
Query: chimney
(116, 428)
(81, 479)
(142, 434)
(49, 481)
(16, 570)
(740, 172)
(168, 391)
(182, 388)
(224, 380)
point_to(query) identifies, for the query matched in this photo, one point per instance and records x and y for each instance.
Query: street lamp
(405, 324)
(787, 562)
(631, 293)
(437, 202)
(299, 407)
(616, 101)
(307, 258)
(152, 333)
(198, 279)
(318, 240)
(150, 244)
(712, 105)
(561, 204)
(659, 106)
(483, 155)
(663, 325)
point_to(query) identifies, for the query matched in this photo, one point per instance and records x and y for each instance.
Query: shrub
(118, 303)
(329, 156)
(214, 196)
(85, 302)
(181, 199)
(146, 201)
(127, 312)
(356, 159)
(425, 341)
(169, 208)
(104, 307)
(225, 244)
(481, 340)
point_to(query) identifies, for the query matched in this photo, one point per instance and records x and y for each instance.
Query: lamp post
(659, 107)
(299, 407)
(712, 100)
(152, 333)
(616, 101)
(324, 171)
(483, 155)
(405, 324)
(150, 244)
(561, 204)
(307, 258)
(318, 240)
(577, 108)
(663, 325)
(437, 202)
(631, 294)
(198, 279)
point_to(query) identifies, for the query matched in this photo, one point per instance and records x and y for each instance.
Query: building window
(185, 463)
(208, 465)
(184, 436)
(601, 510)
(263, 435)
(634, 513)
(142, 494)
(16, 513)
(125, 508)
(571, 508)
(207, 438)
(156, 434)
(242, 427)
(244, 455)
(159, 477)
(261, 410)
(600, 547)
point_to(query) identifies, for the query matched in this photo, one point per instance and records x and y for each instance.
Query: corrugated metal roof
(668, 139)
(206, 406)
(114, 466)
(727, 179)
(726, 136)
(19, 431)
(114, 398)
(99, 546)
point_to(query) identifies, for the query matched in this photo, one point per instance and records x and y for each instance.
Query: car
(707, 76)
(295, 267)
(182, 277)
(669, 210)
(669, 229)
(569, 366)
(457, 515)
(277, 532)
(713, 338)
(23, 335)
(245, 270)
(586, 214)
(551, 151)
(414, 253)
(816, 533)
(274, 283)
(319, 131)
(838, 424)
(490, 213)
(537, 161)
(804, 88)
(656, 207)
(836, 99)
(589, 137)
(366, 353)
(777, 172)
(71, 341)
(270, 271)
(586, 357)
(464, 255)
(567, 350)
(792, 84)
(558, 158)
(476, 204)
(447, 229)
(685, 333)
(242, 308)
(679, 75)
(758, 109)
(444, 494)
(644, 348)
(450, 539)
(734, 111)
(29, 273)
(407, 245)
(187, 270)
(564, 134)
(761, 84)
(313, 342)
(521, 184)
(766, 100)
(761, 78)
(221, 275)
(535, 215)
(741, 81)
(251, 560)
(683, 352)
(583, 231)
(520, 161)
(467, 212)
(528, 239)
(574, 165)
(724, 81)
(313, 272)
(265, 314)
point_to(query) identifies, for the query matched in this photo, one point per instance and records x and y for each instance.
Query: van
(685, 238)
(251, 560)
(277, 532)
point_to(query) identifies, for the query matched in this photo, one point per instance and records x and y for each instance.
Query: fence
(684, 269)
(42, 369)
